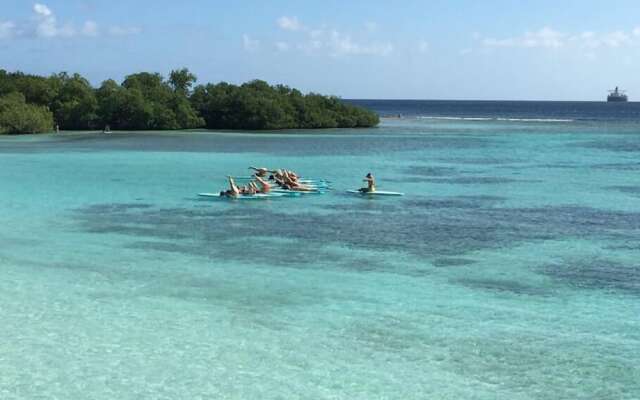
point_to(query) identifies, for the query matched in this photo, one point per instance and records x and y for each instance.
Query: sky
(429, 49)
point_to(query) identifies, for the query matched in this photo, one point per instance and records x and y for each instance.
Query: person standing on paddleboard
(371, 184)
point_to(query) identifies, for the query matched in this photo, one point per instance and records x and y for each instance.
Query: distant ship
(617, 95)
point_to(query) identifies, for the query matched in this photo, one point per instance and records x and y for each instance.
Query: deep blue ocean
(506, 110)
(509, 270)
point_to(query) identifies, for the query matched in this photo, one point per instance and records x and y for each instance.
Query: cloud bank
(550, 38)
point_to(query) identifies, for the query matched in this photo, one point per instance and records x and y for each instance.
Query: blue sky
(466, 49)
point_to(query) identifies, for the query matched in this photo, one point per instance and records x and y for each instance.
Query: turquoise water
(509, 270)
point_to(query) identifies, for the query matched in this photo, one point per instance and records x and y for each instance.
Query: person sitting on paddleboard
(371, 184)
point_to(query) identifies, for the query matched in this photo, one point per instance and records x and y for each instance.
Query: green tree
(166, 104)
(257, 105)
(16, 116)
(147, 101)
(75, 107)
(181, 81)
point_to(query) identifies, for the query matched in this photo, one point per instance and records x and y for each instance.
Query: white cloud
(44, 24)
(90, 28)
(289, 23)
(423, 46)
(341, 44)
(333, 42)
(282, 46)
(550, 38)
(545, 37)
(250, 44)
(42, 10)
(117, 30)
(612, 39)
(7, 29)
(616, 39)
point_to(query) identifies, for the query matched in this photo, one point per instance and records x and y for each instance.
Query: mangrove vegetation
(148, 101)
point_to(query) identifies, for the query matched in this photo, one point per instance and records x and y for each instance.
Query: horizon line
(489, 100)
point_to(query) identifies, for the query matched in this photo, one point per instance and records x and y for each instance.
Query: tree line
(148, 101)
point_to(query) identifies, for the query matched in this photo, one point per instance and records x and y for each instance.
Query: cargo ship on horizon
(616, 96)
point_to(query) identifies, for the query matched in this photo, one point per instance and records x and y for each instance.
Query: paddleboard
(296, 192)
(256, 196)
(376, 193)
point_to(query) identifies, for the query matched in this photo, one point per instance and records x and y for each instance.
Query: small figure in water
(371, 184)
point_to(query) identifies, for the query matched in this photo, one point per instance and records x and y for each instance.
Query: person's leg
(234, 188)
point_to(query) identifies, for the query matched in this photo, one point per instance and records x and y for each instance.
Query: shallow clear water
(509, 270)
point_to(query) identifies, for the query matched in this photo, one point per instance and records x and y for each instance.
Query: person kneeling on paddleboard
(371, 184)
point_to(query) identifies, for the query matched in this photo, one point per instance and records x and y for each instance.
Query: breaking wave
(497, 119)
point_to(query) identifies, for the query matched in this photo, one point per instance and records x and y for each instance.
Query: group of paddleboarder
(263, 179)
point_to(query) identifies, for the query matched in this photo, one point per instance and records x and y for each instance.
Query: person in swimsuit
(293, 185)
(249, 189)
(264, 185)
(234, 190)
(288, 184)
(261, 172)
(277, 175)
(283, 174)
(291, 175)
(254, 188)
(371, 184)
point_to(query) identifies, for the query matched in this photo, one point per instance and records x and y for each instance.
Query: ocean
(509, 270)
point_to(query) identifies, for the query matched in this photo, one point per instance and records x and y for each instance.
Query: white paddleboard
(244, 197)
(298, 192)
(376, 193)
